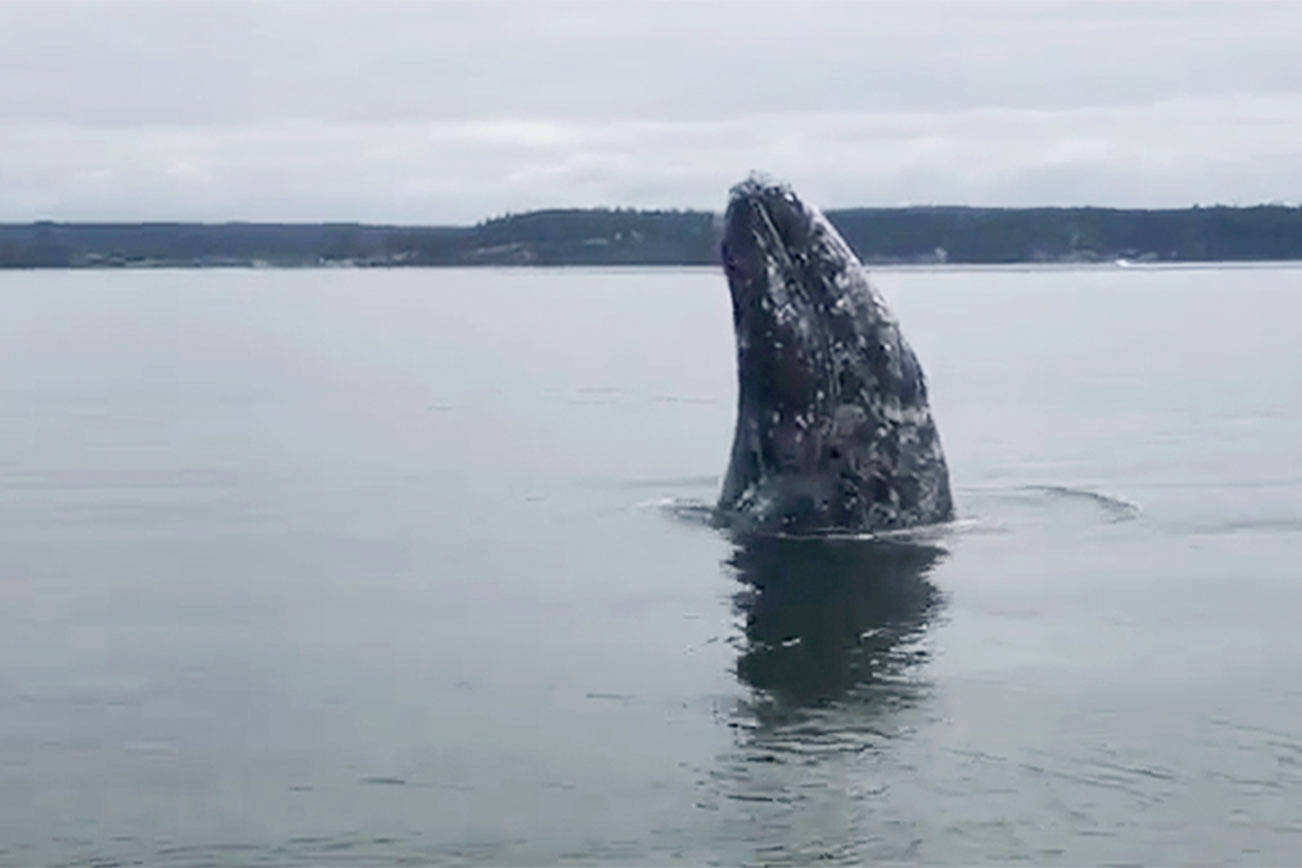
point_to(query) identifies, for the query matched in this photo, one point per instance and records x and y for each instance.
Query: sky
(450, 112)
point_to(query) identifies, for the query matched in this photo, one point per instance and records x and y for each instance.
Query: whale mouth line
(765, 252)
(781, 246)
(766, 238)
(763, 211)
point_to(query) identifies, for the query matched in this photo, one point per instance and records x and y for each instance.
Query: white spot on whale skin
(847, 419)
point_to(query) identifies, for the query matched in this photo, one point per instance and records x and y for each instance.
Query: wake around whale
(834, 433)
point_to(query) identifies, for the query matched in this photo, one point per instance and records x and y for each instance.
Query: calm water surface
(366, 567)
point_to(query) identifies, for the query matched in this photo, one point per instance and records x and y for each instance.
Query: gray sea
(400, 567)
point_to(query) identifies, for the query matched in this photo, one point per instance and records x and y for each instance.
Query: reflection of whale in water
(824, 619)
(833, 635)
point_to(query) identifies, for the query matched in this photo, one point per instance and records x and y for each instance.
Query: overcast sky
(449, 112)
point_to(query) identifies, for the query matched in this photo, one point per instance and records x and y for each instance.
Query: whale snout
(768, 212)
(765, 230)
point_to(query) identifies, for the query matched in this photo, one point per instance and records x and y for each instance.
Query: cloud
(1175, 153)
(392, 62)
(443, 112)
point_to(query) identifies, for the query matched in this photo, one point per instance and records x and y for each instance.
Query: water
(368, 567)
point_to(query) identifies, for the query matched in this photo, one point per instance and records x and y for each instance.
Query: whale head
(834, 432)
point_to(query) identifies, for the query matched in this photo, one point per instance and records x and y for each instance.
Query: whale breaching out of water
(834, 433)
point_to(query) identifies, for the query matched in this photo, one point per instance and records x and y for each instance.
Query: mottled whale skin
(834, 432)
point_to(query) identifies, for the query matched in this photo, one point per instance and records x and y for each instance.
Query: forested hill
(629, 237)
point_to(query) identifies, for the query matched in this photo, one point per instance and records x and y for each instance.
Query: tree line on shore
(601, 236)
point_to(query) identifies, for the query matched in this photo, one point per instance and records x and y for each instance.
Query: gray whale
(834, 433)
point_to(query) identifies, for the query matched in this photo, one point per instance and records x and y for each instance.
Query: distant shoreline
(876, 267)
(624, 237)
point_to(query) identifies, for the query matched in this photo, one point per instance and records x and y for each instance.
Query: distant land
(631, 237)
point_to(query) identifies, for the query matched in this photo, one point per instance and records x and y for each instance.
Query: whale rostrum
(834, 432)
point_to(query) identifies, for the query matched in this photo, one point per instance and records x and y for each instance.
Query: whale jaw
(834, 432)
